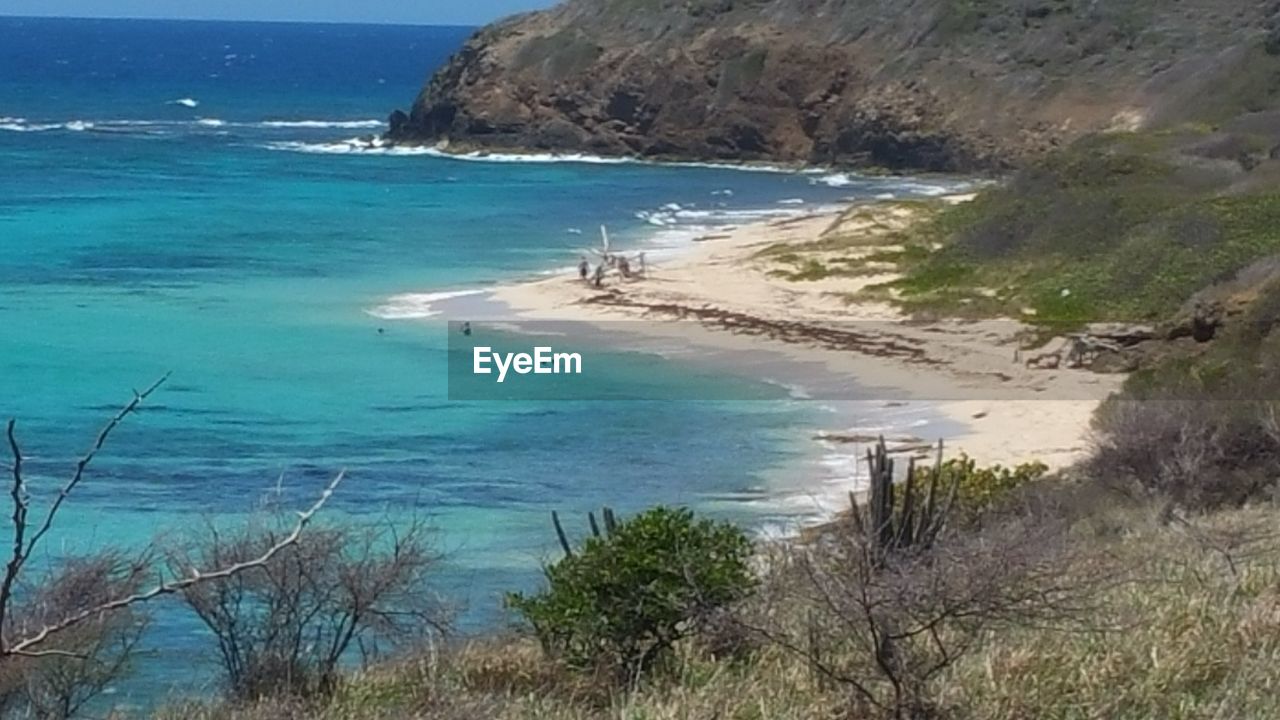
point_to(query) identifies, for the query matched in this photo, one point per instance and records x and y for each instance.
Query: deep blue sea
(183, 197)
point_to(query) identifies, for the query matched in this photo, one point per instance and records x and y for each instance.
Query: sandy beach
(728, 295)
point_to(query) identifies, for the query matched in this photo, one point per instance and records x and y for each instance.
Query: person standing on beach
(600, 275)
(584, 268)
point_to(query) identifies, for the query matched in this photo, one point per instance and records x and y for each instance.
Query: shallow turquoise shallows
(181, 197)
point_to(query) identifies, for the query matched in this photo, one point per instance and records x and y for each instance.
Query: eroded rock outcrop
(921, 84)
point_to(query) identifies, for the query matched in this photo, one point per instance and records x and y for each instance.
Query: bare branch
(87, 458)
(18, 492)
(50, 653)
(25, 645)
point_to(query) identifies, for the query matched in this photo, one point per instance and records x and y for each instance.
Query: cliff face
(923, 84)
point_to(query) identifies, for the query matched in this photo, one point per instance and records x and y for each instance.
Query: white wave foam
(17, 124)
(718, 219)
(378, 146)
(527, 158)
(320, 124)
(354, 146)
(927, 189)
(795, 391)
(21, 126)
(836, 180)
(137, 123)
(185, 102)
(410, 306)
(106, 126)
(582, 158)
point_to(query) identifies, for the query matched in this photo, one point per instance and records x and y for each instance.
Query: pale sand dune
(1013, 413)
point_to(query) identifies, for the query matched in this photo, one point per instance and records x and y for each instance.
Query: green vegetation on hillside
(1111, 229)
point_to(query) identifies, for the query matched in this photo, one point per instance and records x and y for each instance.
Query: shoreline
(834, 175)
(722, 296)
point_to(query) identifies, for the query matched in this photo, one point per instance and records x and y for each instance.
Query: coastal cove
(618, 360)
(723, 303)
(184, 215)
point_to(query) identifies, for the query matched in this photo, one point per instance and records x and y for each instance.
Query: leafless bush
(1197, 453)
(884, 626)
(284, 627)
(79, 664)
(65, 637)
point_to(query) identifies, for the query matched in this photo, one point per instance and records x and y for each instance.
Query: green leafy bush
(976, 489)
(621, 601)
(981, 488)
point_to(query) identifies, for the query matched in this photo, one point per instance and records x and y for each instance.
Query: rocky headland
(937, 85)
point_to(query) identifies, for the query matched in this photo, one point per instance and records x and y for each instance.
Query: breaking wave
(321, 124)
(378, 146)
(19, 124)
(908, 186)
(410, 306)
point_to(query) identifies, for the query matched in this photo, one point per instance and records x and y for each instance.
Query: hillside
(919, 84)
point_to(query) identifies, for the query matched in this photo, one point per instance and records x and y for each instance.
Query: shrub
(1201, 432)
(1198, 453)
(965, 491)
(622, 600)
(880, 627)
(82, 663)
(979, 489)
(283, 628)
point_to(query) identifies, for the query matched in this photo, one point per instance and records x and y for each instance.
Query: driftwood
(1079, 350)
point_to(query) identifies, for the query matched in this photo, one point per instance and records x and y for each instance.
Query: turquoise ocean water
(181, 197)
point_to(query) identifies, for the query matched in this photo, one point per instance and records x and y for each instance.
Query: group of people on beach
(610, 262)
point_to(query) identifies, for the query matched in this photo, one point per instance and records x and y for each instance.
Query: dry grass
(1195, 635)
(1189, 628)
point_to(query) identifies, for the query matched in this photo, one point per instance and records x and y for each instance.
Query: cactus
(911, 521)
(606, 513)
(564, 539)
